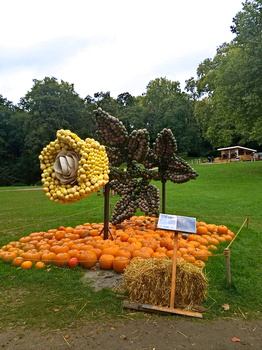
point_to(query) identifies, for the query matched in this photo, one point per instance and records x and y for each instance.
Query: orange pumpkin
(93, 232)
(62, 259)
(8, 256)
(40, 265)
(158, 255)
(141, 253)
(183, 251)
(201, 254)
(162, 250)
(189, 258)
(111, 250)
(222, 229)
(44, 246)
(59, 235)
(27, 264)
(32, 255)
(170, 254)
(200, 263)
(120, 263)
(202, 230)
(227, 237)
(73, 252)
(211, 227)
(106, 261)
(28, 246)
(211, 247)
(133, 246)
(87, 258)
(18, 261)
(98, 252)
(60, 249)
(48, 257)
(124, 252)
(25, 239)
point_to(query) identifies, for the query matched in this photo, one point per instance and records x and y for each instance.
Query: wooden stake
(248, 220)
(227, 257)
(173, 283)
(106, 210)
(163, 195)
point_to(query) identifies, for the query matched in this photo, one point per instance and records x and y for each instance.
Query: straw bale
(148, 281)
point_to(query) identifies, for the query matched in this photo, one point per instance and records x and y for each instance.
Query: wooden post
(227, 259)
(173, 283)
(106, 210)
(163, 195)
(248, 217)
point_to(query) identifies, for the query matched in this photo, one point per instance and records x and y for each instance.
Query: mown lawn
(57, 297)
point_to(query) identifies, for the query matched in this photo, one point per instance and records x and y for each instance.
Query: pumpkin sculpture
(73, 168)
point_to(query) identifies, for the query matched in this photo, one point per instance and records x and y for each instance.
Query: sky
(108, 45)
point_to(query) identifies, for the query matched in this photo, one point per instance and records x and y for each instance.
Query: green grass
(222, 194)
(53, 298)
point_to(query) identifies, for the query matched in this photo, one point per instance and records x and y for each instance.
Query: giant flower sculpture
(73, 168)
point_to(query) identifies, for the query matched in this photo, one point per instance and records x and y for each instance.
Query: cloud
(112, 45)
(44, 54)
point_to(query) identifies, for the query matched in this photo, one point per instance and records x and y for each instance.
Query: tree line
(220, 107)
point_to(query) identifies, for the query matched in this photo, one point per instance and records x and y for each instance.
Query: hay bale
(148, 281)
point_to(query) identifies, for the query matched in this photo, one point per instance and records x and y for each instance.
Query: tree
(231, 83)
(51, 106)
(247, 25)
(165, 106)
(11, 144)
(191, 88)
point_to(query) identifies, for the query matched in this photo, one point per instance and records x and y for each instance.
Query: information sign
(177, 223)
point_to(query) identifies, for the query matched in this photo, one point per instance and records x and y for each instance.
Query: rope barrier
(246, 221)
(62, 217)
(227, 252)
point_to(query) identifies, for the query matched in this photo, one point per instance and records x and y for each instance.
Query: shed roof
(234, 147)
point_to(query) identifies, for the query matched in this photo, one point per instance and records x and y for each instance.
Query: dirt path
(151, 333)
(154, 333)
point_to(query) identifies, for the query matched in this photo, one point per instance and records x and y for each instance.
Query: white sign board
(177, 223)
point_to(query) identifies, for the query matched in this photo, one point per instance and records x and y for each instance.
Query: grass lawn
(57, 297)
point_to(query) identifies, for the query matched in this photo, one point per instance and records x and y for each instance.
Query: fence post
(248, 217)
(227, 259)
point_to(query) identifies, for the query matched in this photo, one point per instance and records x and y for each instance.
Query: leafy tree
(247, 25)
(50, 106)
(5, 112)
(104, 100)
(165, 106)
(191, 89)
(231, 83)
(11, 144)
(158, 104)
(125, 99)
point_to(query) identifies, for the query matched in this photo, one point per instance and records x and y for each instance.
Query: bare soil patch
(158, 333)
(100, 279)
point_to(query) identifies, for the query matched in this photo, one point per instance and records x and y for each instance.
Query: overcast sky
(108, 45)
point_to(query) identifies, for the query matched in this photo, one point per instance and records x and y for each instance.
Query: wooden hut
(237, 153)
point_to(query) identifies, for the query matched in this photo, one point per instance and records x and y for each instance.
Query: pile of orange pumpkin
(137, 238)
